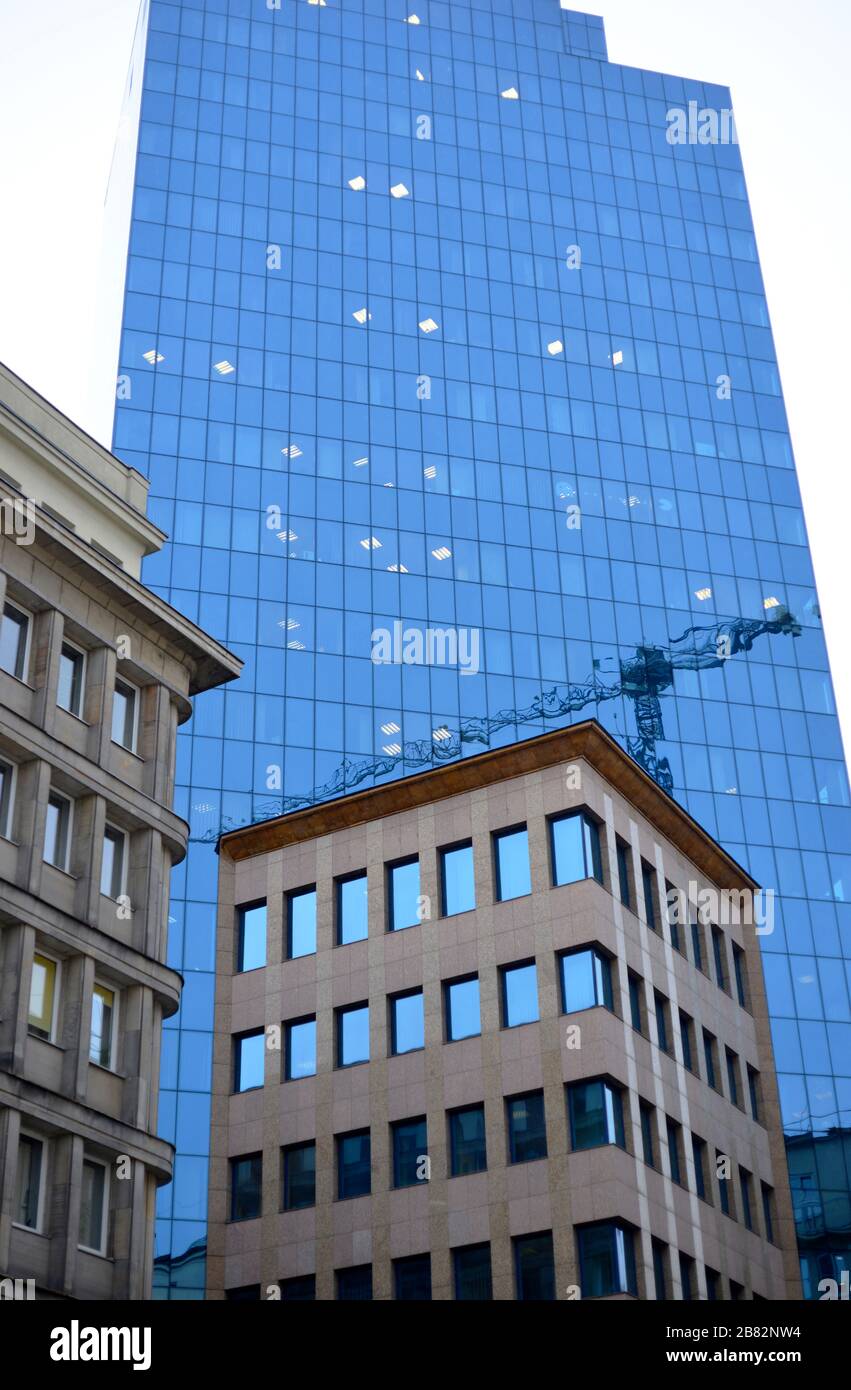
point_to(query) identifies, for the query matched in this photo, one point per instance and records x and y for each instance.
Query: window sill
(131, 751)
(66, 873)
(99, 1254)
(31, 1230)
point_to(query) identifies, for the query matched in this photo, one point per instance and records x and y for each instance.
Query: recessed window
(458, 889)
(753, 1093)
(94, 1198)
(710, 1050)
(663, 1021)
(649, 886)
(732, 1076)
(636, 1001)
(462, 1008)
(660, 1261)
(511, 851)
(354, 1178)
(768, 1210)
(596, 1114)
(125, 714)
(29, 1189)
(718, 954)
(746, 1184)
(586, 980)
(740, 975)
(407, 1022)
(606, 1260)
(624, 858)
(698, 1149)
(72, 669)
(44, 997)
(57, 831)
(403, 883)
(352, 918)
(354, 1285)
(675, 1152)
(301, 923)
(412, 1279)
(14, 641)
(249, 1060)
(467, 1143)
(471, 1268)
(722, 1172)
(519, 994)
(301, 1289)
(299, 1185)
(251, 936)
(675, 913)
(713, 1285)
(527, 1129)
(246, 1187)
(113, 863)
(300, 1048)
(534, 1269)
(104, 1021)
(352, 1035)
(7, 788)
(243, 1293)
(687, 1278)
(648, 1125)
(575, 848)
(687, 1041)
(410, 1151)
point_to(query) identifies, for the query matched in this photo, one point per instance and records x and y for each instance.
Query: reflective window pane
(467, 1145)
(463, 1014)
(457, 880)
(513, 875)
(596, 1114)
(527, 1130)
(575, 848)
(14, 631)
(251, 936)
(519, 994)
(407, 1022)
(103, 1014)
(472, 1273)
(412, 1278)
(606, 1260)
(249, 1060)
(300, 1049)
(404, 893)
(410, 1148)
(246, 1187)
(586, 980)
(42, 996)
(69, 690)
(352, 904)
(534, 1268)
(93, 1206)
(28, 1182)
(299, 1176)
(353, 1164)
(353, 1035)
(124, 704)
(301, 923)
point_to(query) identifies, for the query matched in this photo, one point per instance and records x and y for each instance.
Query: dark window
(737, 1291)
(407, 1022)
(662, 1021)
(686, 1037)
(352, 909)
(457, 880)
(69, 692)
(660, 1256)
(586, 980)
(687, 1277)
(648, 880)
(732, 1075)
(596, 1114)
(246, 1181)
(753, 1092)
(636, 1002)
(353, 1164)
(606, 1259)
(746, 1182)
(709, 1048)
(355, 1284)
(527, 1130)
(722, 1169)
(575, 849)
(299, 1176)
(352, 1035)
(534, 1268)
(412, 1279)
(246, 1293)
(299, 1290)
(519, 994)
(403, 896)
(124, 712)
(13, 641)
(511, 853)
(740, 975)
(698, 1149)
(713, 1285)
(249, 1055)
(675, 912)
(300, 1048)
(251, 936)
(461, 1004)
(624, 857)
(467, 1144)
(472, 1271)
(647, 1144)
(718, 957)
(697, 944)
(410, 1147)
(301, 923)
(768, 1210)
(674, 1154)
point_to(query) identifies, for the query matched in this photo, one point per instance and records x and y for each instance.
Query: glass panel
(301, 923)
(42, 997)
(299, 1290)
(410, 1147)
(527, 1130)
(352, 910)
(467, 1145)
(13, 641)
(404, 895)
(624, 857)
(69, 693)
(659, 1269)
(6, 784)
(56, 832)
(124, 715)
(251, 950)
(513, 877)
(635, 997)
(463, 1014)
(596, 1114)
(30, 1157)
(533, 1257)
(246, 1187)
(301, 1049)
(353, 1035)
(459, 890)
(353, 1165)
(100, 1039)
(648, 1149)
(607, 1260)
(355, 1285)
(92, 1206)
(250, 1061)
(648, 878)
(412, 1278)
(520, 994)
(586, 981)
(299, 1176)
(407, 1022)
(472, 1268)
(112, 864)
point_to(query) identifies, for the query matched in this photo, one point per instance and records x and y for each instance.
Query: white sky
(63, 65)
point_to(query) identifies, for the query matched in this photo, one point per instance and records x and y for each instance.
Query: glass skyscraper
(446, 351)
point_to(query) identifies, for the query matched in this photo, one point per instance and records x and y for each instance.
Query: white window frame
(133, 746)
(104, 1218)
(6, 826)
(81, 652)
(125, 840)
(111, 1065)
(38, 1228)
(57, 989)
(69, 800)
(25, 613)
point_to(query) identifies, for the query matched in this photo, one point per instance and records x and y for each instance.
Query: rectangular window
(249, 1058)
(353, 1164)
(461, 1008)
(29, 1182)
(407, 1022)
(697, 944)
(586, 980)
(457, 880)
(713, 1285)
(660, 1257)
(740, 975)
(698, 1149)
(251, 936)
(113, 863)
(746, 1184)
(687, 1040)
(663, 1021)
(352, 1035)
(44, 997)
(69, 691)
(575, 849)
(300, 1048)
(768, 1210)
(299, 1176)
(471, 1267)
(606, 1259)
(7, 785)
(709, 1054)
(636, 1002)
(675, 904)
(94, 1197)
(355, 1285)
(737, 1292)
(511, 854)
(467, 1144)
(519, 994)
(101, 1036)
(302, 1289)
(596, 1114)
(246, 1186)
(410, 1147)
(675, 1150)
(687, 1279)
(534, 1268)
(753, 1093)
(527, 1130)
(648, 880)
(718, 954)
(57, 831)
(403, 895)
(14, 641)
(722, 1169)
(732, 1076)
(352, 909)
(647, 1125)
(125, 715)
(412, 1279)
(301, 923)
(624, 857)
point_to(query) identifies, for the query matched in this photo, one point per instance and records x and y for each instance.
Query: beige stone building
(497, 1030)
(95, 677)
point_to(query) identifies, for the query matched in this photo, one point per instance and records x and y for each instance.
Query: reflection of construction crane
(642, 678)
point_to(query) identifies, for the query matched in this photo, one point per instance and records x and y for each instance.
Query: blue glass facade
(453, 376)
